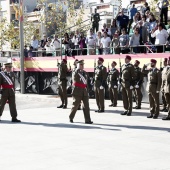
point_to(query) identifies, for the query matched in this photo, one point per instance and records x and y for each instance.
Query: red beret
(165, 59)
(153, 61)
(114, 63)
(101, 59)
(128, 57)
(137, 62)
(64, 60)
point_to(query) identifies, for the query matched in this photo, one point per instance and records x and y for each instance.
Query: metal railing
(78, 51)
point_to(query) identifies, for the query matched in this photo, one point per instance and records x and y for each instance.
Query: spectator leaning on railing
(56, 45)
(98, 43)
(115, 42)
(34, 44)
(124, 42)
(161, 37)
(105, 42)
(91, 43)
(82, 44)
(49, 48)
(143, 35)
(135, 40)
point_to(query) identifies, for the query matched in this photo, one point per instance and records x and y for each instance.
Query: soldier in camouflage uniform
(127, 83)
(164, 76)
(138, 80)
(112, 81)
(99, 84)
(62, 83)
(167, 89)
(153, 87)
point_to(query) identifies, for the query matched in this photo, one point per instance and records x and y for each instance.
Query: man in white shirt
(49, 48)
(91, 43)
(161, 37)
(34, 44)
(56, 45)
(105, 41)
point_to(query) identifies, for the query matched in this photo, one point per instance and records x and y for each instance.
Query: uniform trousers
(76, 103)
(138, 96)
(167, 97)
(113, 93)
(63, 92)
(12, 105)
(127, 99)
(154, 103)
(100, 95)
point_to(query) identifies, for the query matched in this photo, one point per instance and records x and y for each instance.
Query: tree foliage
(59, 17)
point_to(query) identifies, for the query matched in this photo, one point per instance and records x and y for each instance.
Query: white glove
(137, 86)
(101, 87)
(157, 91)
(131, 87)
(147, 64)
(115, 87)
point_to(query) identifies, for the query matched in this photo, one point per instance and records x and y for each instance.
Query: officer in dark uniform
(153, 87)
(7, 80)
(164, 76)
(95, 18)
(112, 81)
(80, 93)
(99, 84)
(62, 83)
(138, 80)
(127, 83)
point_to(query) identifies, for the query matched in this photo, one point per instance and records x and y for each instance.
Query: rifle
(92, 82)
(120, 65)
(108, 68)
(161, 65)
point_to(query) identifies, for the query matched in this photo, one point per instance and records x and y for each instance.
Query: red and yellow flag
(16, 10)
(21, 11)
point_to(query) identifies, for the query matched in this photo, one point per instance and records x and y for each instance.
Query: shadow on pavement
(133, 113)
(136, 127)
(60, 125)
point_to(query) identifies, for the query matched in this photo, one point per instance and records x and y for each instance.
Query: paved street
(45, 140)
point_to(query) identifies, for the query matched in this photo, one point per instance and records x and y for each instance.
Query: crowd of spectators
(139, 32)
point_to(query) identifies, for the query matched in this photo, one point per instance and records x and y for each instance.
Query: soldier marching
(129, 78)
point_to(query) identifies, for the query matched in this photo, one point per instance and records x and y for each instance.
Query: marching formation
(128, 80)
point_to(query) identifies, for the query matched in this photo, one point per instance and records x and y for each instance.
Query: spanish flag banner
(21, 11)
(16, 10)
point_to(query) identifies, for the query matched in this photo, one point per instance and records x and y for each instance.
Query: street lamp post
(21, 32)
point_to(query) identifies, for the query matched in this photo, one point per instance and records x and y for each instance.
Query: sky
(125, 3)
